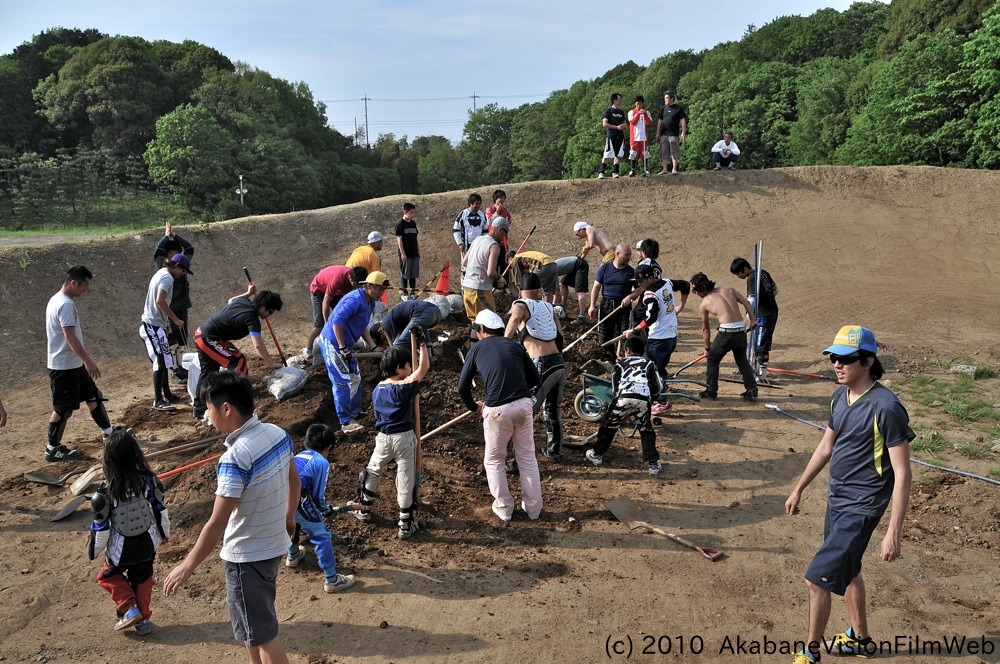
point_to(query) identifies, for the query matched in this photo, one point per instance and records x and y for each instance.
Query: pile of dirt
(845, 245)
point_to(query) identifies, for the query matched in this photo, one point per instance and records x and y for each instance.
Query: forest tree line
(93, 126)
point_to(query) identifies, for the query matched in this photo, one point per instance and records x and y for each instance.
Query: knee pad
(363, 494)
(100, 413)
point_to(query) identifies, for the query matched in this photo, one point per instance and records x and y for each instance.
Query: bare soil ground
(909, 252)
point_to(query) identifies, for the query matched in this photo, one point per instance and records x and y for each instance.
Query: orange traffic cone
(442, 284)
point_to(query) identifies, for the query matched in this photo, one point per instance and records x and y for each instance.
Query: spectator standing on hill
(72, 372)
(612, 283)
(469, 224)
(726, 153)
(766, 305)
(724, 303)
(615, 123)
(867, 446)
(671, 130)
(327, 288)
(639, 120)
(409, 251)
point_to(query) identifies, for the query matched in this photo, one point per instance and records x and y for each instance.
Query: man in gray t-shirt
(71, 369)
(156, 316)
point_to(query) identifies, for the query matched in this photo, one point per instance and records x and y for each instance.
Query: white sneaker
(594, 458)
(293, 559)
(351, 427)
(654, 469)
(615, 175)
(600, 176)
(503, 517)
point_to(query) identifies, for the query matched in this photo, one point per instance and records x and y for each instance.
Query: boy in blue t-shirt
(392, 401)
(313, 469)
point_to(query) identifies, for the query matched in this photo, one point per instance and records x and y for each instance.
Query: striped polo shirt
(254, 468)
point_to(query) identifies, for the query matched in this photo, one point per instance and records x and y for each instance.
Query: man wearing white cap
(509, 377)
(594, 238)
(366, 256)
(867, 444)
(480, 273)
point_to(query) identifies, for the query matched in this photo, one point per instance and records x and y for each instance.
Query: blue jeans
(345, 377)
(424, 319)
(319, 535)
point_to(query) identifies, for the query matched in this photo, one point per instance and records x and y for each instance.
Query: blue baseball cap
(851, 339)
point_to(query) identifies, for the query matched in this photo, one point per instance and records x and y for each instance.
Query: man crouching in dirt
(534, 322)
(509, 376)
(724, 303)
(867, 444)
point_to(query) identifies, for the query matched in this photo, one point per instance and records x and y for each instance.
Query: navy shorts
(250, 592)
(845, 538)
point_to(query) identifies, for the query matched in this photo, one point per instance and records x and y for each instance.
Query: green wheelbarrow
(591, 403)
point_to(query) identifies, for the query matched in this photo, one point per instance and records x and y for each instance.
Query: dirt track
(910, 252)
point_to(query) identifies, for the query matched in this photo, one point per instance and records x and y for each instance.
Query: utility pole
(242, 190)
(474, 98)
(367, 142)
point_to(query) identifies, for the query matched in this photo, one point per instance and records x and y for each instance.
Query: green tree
(912, 116)
(822, 112)
(981, 73)
(908, 19)
(192, 155)
(442, 169)
(484, 145)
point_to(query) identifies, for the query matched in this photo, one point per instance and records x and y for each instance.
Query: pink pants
(500, 424)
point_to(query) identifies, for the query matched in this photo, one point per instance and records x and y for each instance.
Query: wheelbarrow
(592, 402)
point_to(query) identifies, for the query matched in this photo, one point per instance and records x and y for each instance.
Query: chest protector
(541, 322)
(133, 517)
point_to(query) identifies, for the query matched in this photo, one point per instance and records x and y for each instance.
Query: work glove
(501, 283)
(418, 334)
(346, 353)
(327, 511)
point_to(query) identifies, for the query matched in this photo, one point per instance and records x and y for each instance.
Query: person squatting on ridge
(313, 468)
(348, 323)
(156, 317)
(726, 153)
(509, 377)
(130, 522)
(215, 337)
(72, 371)
(867, 446)
(635, 385)
(534, 323)
(253, 515)
(724, 303)
(396, 440)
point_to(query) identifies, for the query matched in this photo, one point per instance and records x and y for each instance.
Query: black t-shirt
(616, 282)
(408, 231)
(671, 116)
(505, 367)
(615, 116)
(233, 321)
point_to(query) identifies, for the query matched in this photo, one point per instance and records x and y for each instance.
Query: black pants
(724, 342)
(613, 326)
(625, 405)
(552, 369)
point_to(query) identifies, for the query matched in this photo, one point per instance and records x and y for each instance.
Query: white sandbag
(456, 302)
(299, 362)
(442, 304)
(286, 381)
(189, 361)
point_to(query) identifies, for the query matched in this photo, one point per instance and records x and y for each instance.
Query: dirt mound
(878, 246)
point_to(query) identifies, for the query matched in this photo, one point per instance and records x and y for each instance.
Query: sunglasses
(844, 359)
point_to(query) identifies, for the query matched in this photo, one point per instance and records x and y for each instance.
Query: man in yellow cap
(348, 323)
(867, 444)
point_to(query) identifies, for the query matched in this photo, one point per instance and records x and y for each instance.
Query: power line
(474, 96)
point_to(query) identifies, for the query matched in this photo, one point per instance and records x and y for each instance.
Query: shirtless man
(724, 303)
(534, 322)
(594, 238)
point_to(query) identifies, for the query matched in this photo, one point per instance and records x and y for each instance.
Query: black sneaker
(708, 395)
(511, 466)
(164, 405)
(749, 396)
(61, 453)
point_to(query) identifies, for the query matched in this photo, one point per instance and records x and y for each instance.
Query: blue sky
(508, 53)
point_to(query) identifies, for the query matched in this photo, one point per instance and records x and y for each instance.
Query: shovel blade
(625, 511)
(70, 508)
